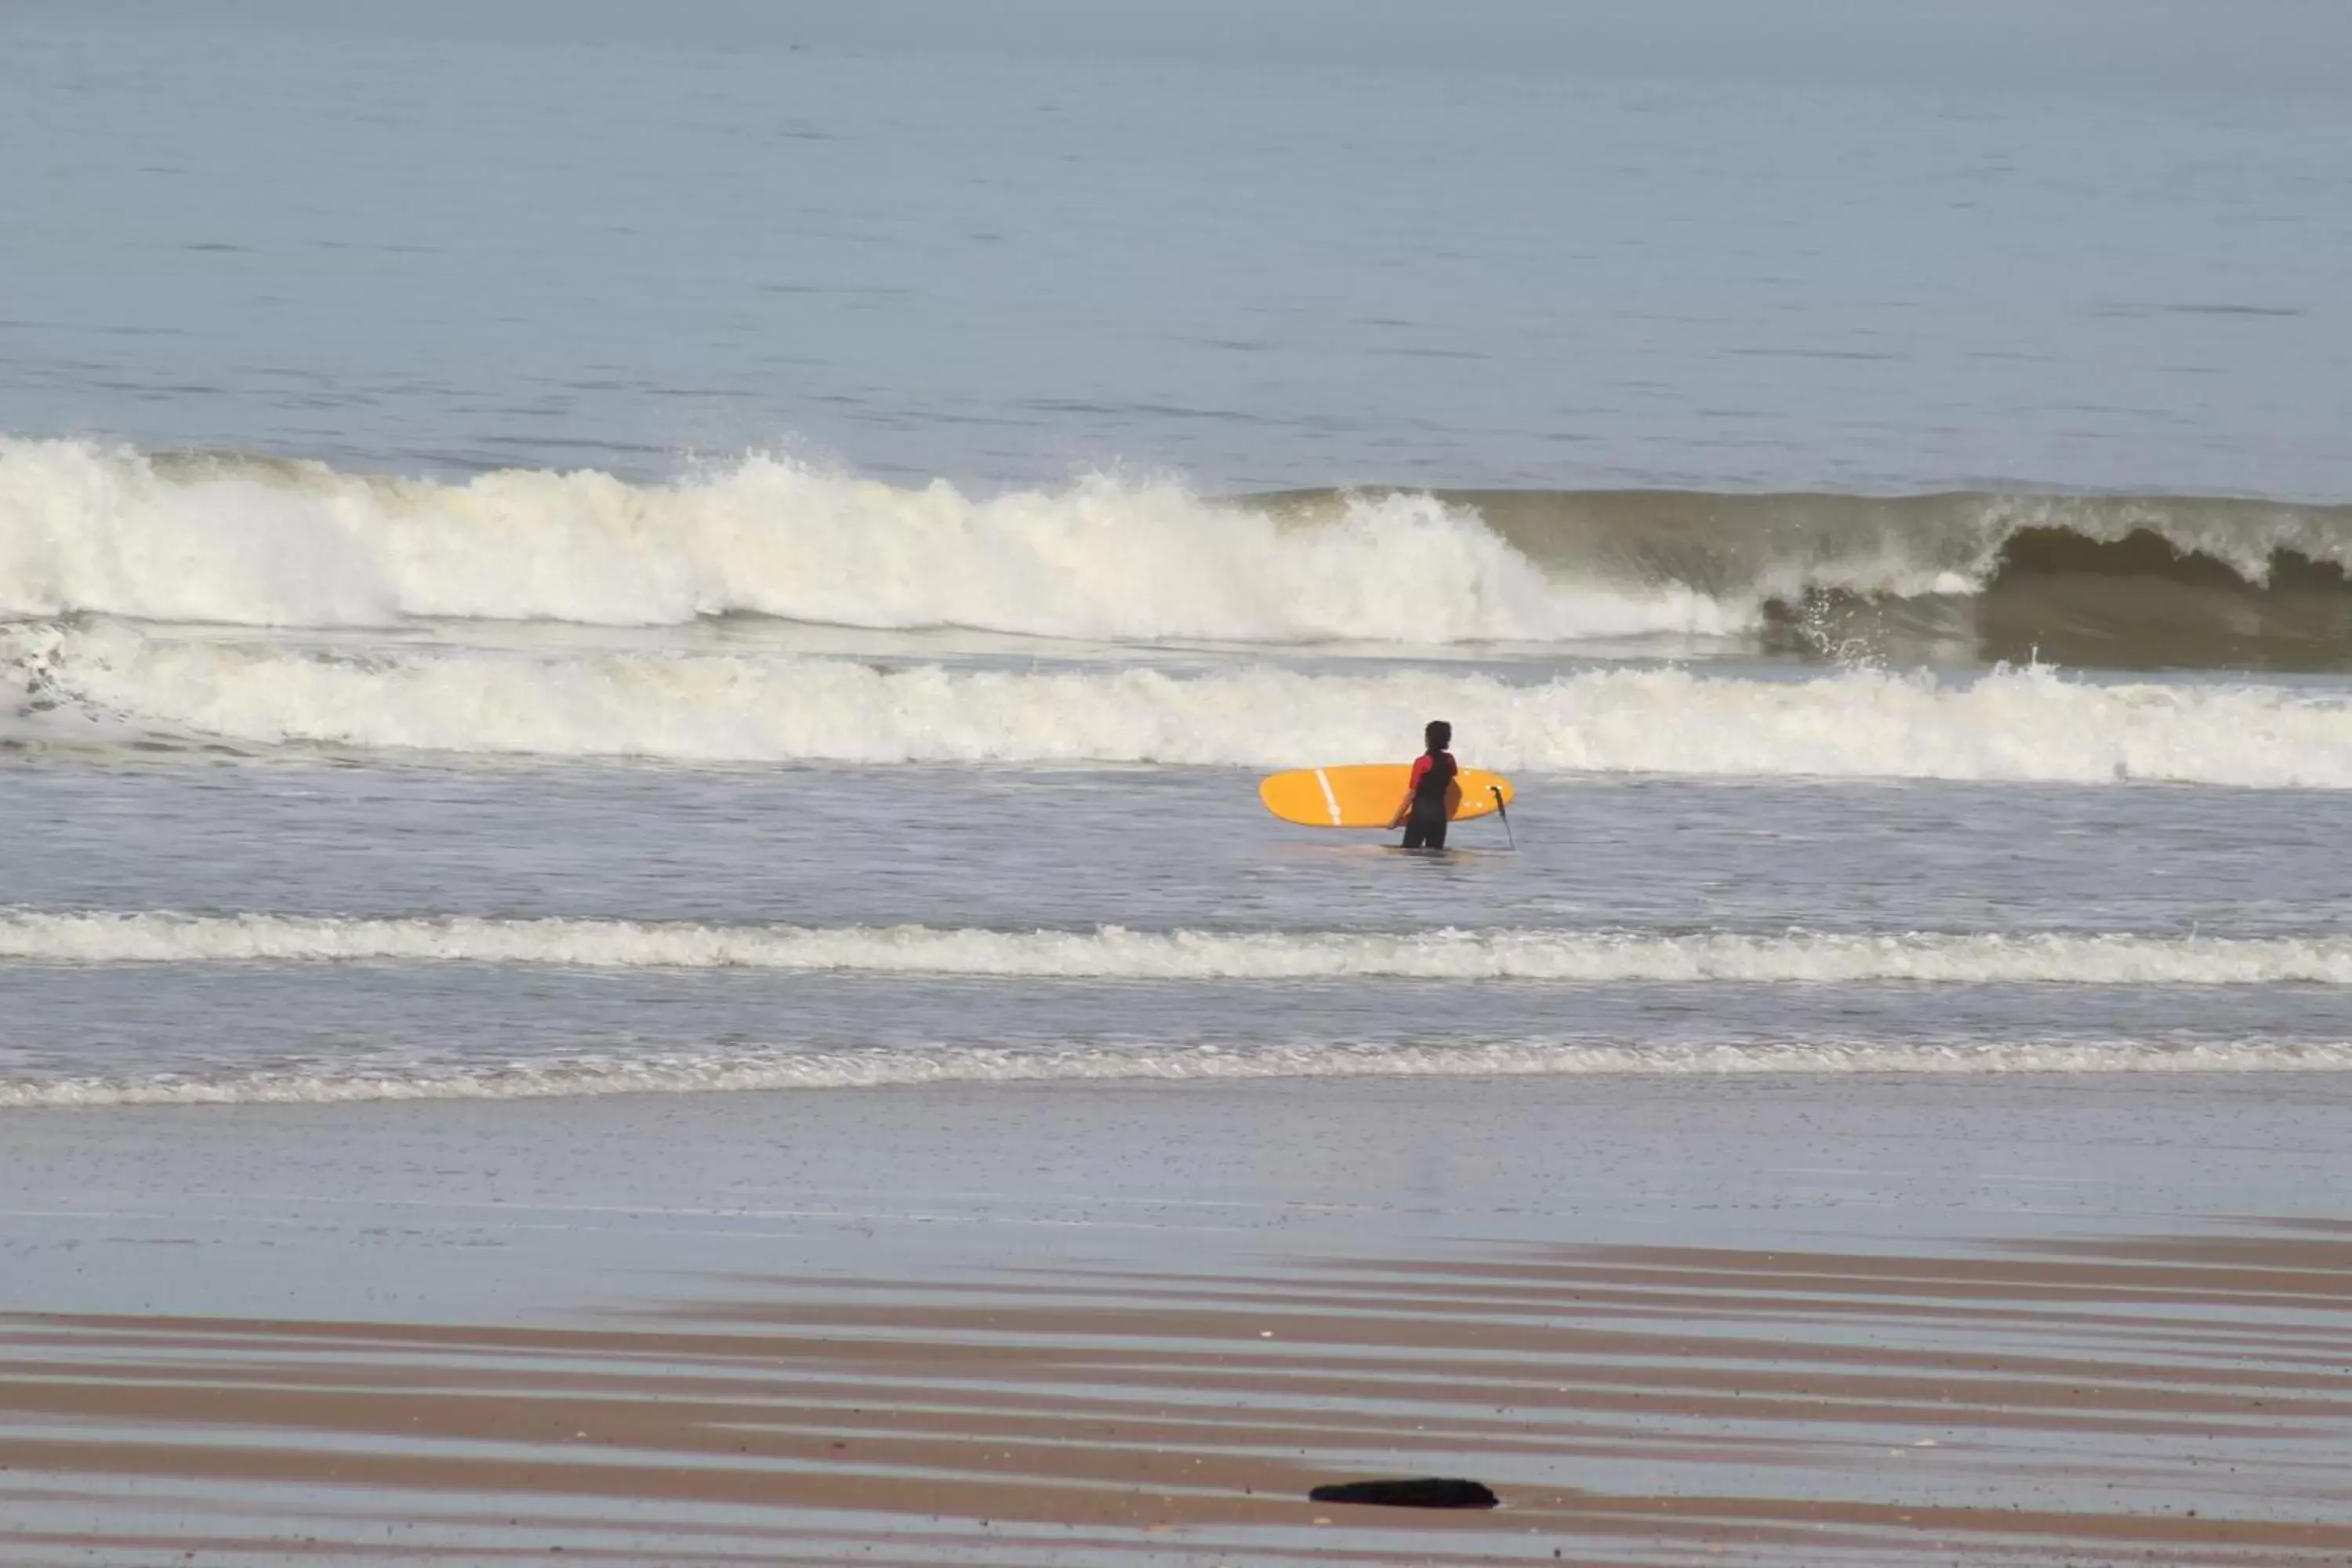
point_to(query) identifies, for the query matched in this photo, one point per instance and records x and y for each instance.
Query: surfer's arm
(1412, 788)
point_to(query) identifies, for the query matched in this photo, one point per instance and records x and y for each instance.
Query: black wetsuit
(1432, 777)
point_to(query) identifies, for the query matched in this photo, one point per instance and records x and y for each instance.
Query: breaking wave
(739, 1070)
(98, 682)
(1112, 952)
(2119, 581)
(244, 542)
(1780, 546)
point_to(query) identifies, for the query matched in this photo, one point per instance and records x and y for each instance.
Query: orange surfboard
(1367, 794)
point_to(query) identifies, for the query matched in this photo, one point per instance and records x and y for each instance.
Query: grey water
(1698, 243)
(1176, 851)
(1693, 250)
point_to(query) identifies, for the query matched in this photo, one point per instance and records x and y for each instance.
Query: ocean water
(595, 548)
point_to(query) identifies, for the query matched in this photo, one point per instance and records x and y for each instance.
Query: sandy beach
(1866, 1322)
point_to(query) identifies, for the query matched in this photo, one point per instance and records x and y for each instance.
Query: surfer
(1432, 796)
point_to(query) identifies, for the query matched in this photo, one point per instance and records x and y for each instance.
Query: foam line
(2016, 725)
(684, 1073)
(1111, 953)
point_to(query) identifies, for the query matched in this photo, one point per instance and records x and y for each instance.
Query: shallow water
(301, 930)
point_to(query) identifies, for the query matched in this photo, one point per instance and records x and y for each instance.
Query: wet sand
(465, 1334)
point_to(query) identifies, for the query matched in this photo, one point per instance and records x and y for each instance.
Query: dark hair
(1439, 734)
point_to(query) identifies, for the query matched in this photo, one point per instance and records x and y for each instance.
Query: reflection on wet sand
(2176, 1400)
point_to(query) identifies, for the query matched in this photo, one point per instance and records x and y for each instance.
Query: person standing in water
(1431, 798)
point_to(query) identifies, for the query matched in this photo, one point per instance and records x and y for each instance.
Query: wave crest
(2120, 581)
(2123, 581)
(85, 529)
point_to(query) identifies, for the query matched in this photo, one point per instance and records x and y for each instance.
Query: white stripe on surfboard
(1328, 798)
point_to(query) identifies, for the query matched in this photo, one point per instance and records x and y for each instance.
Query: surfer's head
(1439, 734)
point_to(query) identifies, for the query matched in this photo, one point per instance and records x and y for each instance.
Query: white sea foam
(1112, 952)
(2030, 725)
(86, 529)
(684, 1073)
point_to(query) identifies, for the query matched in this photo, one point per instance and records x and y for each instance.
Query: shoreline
(1796, 1321)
